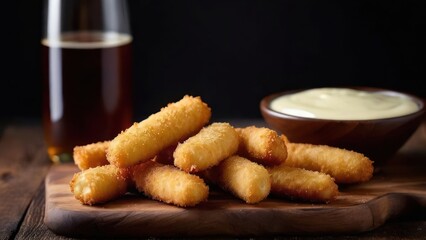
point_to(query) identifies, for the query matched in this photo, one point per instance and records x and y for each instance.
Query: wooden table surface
(24, 165)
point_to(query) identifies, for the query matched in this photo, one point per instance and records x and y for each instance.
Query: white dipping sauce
(344, 104)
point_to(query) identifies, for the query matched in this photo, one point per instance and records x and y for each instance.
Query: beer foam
(87, 40)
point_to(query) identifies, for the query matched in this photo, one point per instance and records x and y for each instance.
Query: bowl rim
(265, 104)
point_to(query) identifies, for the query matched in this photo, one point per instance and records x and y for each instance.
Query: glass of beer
(86, 59)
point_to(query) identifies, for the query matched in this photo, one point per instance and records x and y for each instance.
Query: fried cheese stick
(262, 145)
(301, 184)
(91, 155)
(344, 166)
(143, 140)
(207, 148)
(285, 139)
(100, 184)
(168, 184)
(245, 179)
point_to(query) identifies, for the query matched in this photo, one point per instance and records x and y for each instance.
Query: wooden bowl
(378, 139)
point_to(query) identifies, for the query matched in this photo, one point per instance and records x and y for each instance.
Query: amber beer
(87, 90)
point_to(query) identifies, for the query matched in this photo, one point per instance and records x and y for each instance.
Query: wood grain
(23, 166)
(24, 163)
(359, 208)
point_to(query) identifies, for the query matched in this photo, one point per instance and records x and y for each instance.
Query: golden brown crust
(100, 184)
(344, 166)
(301, 184)
(285, 139)
(245, 179)
(160, 155)
(91, 155)
(262, 145)
(207, 148)
(143, 140)
(168, 184)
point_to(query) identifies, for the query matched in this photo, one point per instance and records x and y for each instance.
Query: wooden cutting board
(359, 208)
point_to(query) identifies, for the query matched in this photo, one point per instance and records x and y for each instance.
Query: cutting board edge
(370, 215)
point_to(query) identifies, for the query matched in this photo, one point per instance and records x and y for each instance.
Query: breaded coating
(100, 184)
(285, 139)
(262, 145)
(344, 166)
(301, 184)
(245, 179)
(207, 148)
(143, 140)
(91, 155)
(168, 184)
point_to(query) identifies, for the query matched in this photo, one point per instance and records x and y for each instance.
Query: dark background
(232, 53)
